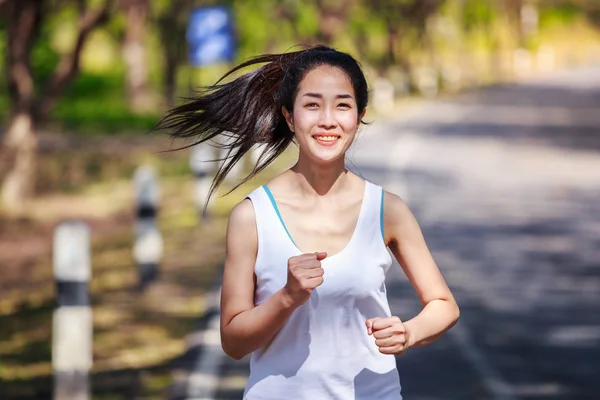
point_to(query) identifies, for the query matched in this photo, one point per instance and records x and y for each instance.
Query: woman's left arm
(405, 239)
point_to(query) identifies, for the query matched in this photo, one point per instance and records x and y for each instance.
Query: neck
(320, 179)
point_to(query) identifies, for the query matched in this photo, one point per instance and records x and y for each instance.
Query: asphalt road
(505, 183)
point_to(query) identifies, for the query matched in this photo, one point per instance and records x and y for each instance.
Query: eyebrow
(320, 96)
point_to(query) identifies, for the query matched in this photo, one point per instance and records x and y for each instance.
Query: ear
(288, 118)
(362, 114)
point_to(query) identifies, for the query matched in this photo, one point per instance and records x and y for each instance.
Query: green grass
(94, 105)
(97, 105)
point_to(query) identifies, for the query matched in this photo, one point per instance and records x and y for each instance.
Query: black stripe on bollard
(72, 293)
(148, 273)
(71, 385)
(200, 174)
(146, 211)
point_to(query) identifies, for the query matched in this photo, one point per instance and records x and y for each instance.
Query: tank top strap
(372, 223)
(262, 212)
(271, 233)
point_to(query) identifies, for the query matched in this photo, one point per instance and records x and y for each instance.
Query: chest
(321, 229)
(357, 272)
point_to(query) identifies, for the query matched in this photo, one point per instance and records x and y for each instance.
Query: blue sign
(210, 36)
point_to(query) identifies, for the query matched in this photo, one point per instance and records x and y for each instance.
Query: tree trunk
(169, 80)
(20, 152)
(171, 31)
(392, 32)
(135, 57)
(30, 107)
(333, 17)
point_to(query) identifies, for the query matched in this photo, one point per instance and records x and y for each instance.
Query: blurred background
(486, 121)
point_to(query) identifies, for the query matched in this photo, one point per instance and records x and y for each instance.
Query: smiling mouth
(326, 139)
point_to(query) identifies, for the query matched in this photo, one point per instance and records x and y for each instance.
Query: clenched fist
(390, 335)
(304, 275)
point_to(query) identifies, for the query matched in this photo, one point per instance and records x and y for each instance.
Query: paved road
(505, 183)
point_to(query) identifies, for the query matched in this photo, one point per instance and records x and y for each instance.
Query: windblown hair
(247, 109)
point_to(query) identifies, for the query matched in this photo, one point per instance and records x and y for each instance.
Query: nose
(327, 120)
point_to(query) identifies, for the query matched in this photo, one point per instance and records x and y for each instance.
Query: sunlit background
(84, 82)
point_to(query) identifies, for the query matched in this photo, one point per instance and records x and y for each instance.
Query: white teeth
(326, 138)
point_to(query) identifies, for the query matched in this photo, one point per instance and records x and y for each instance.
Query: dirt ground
(137, 334)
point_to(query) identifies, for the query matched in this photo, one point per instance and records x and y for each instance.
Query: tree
(172, 25)
(403, 19)
(333, 16)
(31, 102)
(137, 87)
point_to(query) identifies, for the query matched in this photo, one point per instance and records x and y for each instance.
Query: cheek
(349, 122)
(303, 120)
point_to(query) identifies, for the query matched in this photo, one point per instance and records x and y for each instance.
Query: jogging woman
(307, 254)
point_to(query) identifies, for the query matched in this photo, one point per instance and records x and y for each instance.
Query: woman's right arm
(245, 327)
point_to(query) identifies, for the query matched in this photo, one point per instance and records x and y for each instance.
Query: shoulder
(242, 236)
(242, 215)
(397, 216)
(394, 207)
(280, 184)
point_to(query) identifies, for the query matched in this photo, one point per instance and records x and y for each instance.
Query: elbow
(231, 349)
(232, 353)
(455, 314)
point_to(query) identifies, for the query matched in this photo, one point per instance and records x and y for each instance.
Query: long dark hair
(247, 109)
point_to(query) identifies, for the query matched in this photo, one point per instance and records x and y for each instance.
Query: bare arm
(244, 326)
(405, 239)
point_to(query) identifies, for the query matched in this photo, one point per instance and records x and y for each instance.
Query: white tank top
(323, 350)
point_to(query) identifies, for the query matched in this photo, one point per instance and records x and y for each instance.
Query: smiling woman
(307, 254)
(325, 116)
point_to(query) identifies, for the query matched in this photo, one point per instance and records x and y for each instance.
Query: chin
(323, 159)
(325, 155)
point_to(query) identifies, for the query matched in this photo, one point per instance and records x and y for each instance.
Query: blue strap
(277, 211)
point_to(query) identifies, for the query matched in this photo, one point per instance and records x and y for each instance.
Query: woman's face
(325, 117)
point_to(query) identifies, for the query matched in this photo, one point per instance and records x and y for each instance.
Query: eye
(311, 105)
(344, 105)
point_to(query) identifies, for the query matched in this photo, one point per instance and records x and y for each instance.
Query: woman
(303, 284)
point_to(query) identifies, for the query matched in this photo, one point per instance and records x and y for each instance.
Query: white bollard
(72, 320)
(148, 246)
(400, 80)
(452, 77)
(427, 81)
(546, 59)
(522, 62)
(200, 163)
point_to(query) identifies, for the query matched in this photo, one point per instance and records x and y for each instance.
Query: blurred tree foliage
(36, 79)
(134, 65)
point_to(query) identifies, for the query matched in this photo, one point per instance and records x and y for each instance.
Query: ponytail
(247, 109)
